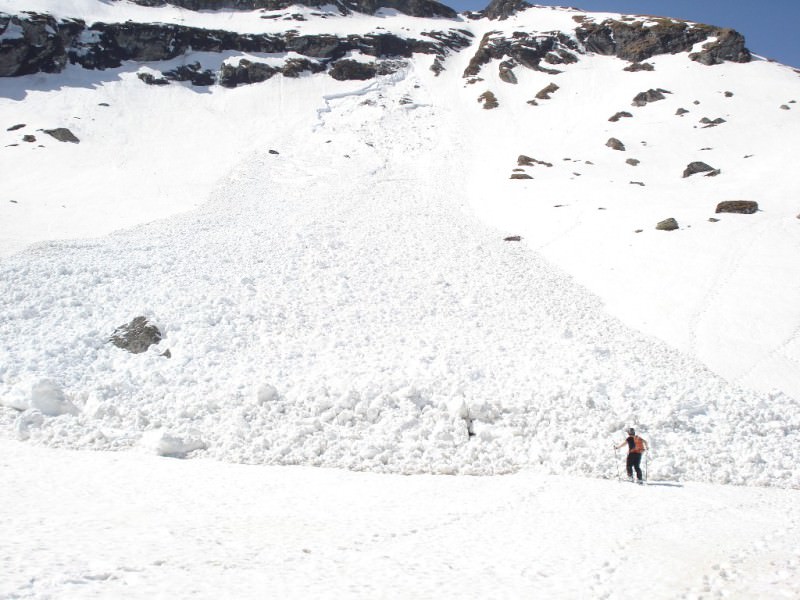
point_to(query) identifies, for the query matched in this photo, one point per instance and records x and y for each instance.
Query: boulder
(709, 123)
(667, 225)
(681, 111)
(513, 238)
(619, 116)
(28, 138)
(544, 93)
(489, 100)
(633, 161)
(15, 127)
(650, 95)
(742, 207)
(62, 134)
(615, 144)
(245, 72)
(527, 161)
(638, 66)
(520, 176)
(698, 167)
(137, 336)
(151, 79)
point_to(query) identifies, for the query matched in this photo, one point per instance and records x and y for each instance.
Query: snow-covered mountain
(387, 237)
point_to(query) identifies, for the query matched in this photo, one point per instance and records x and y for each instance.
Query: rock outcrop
(62, 134)
(667, 225)
(699, 167)
(137, 336)
(639, 41)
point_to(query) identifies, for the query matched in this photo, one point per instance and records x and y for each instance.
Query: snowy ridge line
(314, 320)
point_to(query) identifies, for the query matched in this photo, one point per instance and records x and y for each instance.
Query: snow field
(141, 527)
(338, 305)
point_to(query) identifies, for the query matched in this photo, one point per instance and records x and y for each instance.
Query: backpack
(638, 445)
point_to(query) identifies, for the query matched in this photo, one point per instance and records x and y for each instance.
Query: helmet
(631, 431)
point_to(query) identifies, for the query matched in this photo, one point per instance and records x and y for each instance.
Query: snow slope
(330, 297)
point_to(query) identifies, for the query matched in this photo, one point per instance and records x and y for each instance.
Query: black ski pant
(633, 462)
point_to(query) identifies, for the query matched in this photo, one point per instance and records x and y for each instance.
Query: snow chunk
(164, 443)
(48, 398)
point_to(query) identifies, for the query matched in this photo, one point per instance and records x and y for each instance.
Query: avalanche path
(337, 304)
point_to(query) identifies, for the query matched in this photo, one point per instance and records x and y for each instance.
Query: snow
(136, 526)
(326, 263)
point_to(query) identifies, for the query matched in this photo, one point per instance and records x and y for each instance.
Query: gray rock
(785, 107)
(619, 116)
(667, 225)
(489, 100)
(633, 162)
(151, 79)
(245, 72)
(638, 66)
(709, 123)
(527, 161)
(729, 94)
(15, 127)
(28, 138)
(728, 45)
(742, 207)
(544, 93)
(697, 167)
(62, 134)
(347, 69)
(502, 9)
(520, 176)
(615, 144)
(137, 336)
(681, 111)
(651, 95)
(507, 75)
(513, 238)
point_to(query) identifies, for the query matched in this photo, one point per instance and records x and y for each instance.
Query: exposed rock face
(615, 144)
(743, 207)
(44, 44)
(62, 134)
(506, 74)
(636, 42)
(526, 49)
(151, 79)
(245, 72)
(352, 69)
(502, 9)
(699, 167)
(667, 225)
(620, 115)
(137, 336)
(519, 175)
(415, 8)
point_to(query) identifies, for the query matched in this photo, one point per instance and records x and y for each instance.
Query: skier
(636, 447)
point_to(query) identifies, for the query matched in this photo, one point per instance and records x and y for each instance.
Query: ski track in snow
(339, 305)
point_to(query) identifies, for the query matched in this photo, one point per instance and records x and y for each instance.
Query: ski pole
(616, 461)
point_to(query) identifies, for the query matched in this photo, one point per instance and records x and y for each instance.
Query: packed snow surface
(129, 526)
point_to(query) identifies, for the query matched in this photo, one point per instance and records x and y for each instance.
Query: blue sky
(770, 26)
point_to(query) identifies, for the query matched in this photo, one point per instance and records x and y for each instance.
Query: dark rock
(502, 9)
(166, 353)
(729, 45)
(743, 207)
(637, 66)
(729, 94)
(192, 73)
(294, 67)
(667, 225)
(525, 49)
(104, 104)
(533, 103)
(785, 107)
(527, 161)
(620, 115)
(615, 144)
(520, 176)
(274, 152)
(513, 238)
(245, 72)
(62, 134)
(151, 79)
(507, 75)
(489, 100)
(636, 42)
(713, 220)
(697, 167)
(641, 183)
(15, 127)
(28, 138)
(347, 69)
(709, 123)
(137, 336)
(681, 111)
(544, 93)
(651, 95)
(41, 47)
(633, 161)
